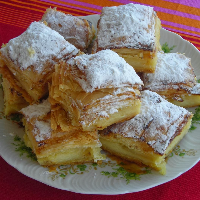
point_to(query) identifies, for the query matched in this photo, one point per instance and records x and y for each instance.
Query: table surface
(179, 16)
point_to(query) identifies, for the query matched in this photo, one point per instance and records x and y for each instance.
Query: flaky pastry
(28, 60)
(133, 31)
(13, 100)
(77, 31)
(174, 79)
(150, 136)
(57, 147)
(96, 90)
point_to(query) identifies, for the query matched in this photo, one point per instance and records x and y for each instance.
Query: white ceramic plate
(108, 178)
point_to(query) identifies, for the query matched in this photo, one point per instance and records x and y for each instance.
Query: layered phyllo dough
(190, 99)
(150, 136)
(133, 31)
(28, 60)
(174, 79)
(96, 90)
(81, 102)
(77, 31)
(57, 147)
(13, 100)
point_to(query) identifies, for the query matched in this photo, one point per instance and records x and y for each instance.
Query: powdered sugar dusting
(130, 25)
(102, 70)
(109, 105)
(171, 69)
(108, 111)
(42, 130)
(36, 46)
(103, 114)
(113, 110)
(36, 110)
(70, 27)
(156, 124)
(195, 89)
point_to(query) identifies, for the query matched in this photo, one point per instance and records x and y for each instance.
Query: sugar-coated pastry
(13, 100)
(77, 31)
(97, 90)
(133, 31)
(150, 136)
(174, 79)
(57, 147)
(28, 60)
(189, 99)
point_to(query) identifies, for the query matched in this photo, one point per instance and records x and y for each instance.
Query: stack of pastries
(74, 103)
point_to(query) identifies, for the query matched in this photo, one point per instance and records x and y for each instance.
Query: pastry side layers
(97, 90)
(174, 79)
(57, 147)
(78, 32)
(151, 135)
(133, 31)
(28, 60)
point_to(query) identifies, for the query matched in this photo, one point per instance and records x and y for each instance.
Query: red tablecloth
(14, 185)
(180, 16)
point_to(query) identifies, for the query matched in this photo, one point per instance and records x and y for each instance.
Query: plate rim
(18, 167)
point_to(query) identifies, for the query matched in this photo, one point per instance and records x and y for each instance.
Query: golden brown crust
(151, 135)
(174, 79)
(55, 147)
(15, 84)
(13, 100)
(77, 31)
(28, 60)
(137, 44)
(92, 105)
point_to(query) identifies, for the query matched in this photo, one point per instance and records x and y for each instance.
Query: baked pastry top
(152, 134)
(28, 60)
(56, 147)
(174, 73)
(189, 99)
(174, 78)
(77, 31)
(133, 31)
(95, 88)
(105, 69)
(130, 25)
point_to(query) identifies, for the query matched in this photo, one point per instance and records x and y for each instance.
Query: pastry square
(13, 100)
(77, 31)
(57, 147)
(150, 136)
(96, 90)
(189, 99)
(133, 31)
(174, 79)
(28, 60)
